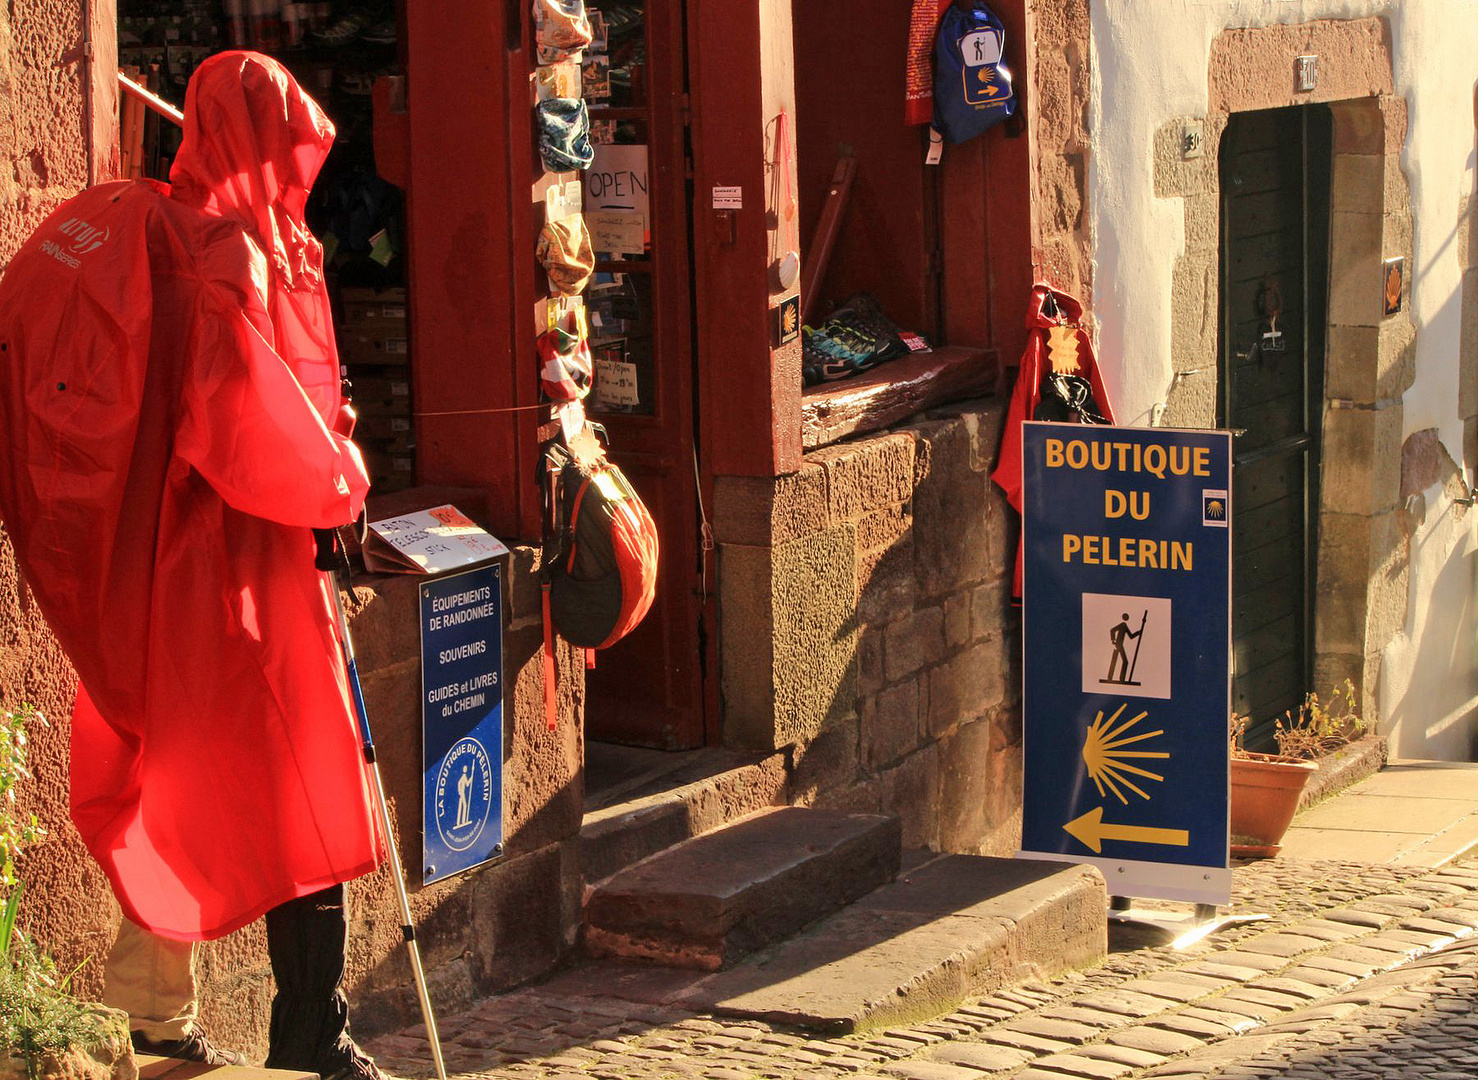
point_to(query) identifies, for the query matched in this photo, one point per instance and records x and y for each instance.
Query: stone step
(160, 1068)
(956, 926)
(707, 791)
(712, 899)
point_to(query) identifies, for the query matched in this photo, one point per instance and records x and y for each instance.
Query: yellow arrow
(1092, 831)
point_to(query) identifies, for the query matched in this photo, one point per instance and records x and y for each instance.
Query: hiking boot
(383, 32)
(193, 1047)
(352, 1064)
(348, 28)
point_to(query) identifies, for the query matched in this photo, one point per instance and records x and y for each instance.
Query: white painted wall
(1150, 65)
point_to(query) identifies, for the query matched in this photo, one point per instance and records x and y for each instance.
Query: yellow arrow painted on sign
(1092, 831)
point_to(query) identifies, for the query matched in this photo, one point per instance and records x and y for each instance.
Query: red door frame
(467, 151)
(750, 391)
(648, 689)
(469, 168)
(464, 148)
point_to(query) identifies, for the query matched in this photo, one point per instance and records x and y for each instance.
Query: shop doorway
(1275, 176)
(648, 689)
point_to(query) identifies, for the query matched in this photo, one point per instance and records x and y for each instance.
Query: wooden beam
(893, 391)
(740, 58)
(828, 226)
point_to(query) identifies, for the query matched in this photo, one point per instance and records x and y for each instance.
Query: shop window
(337, 52)
(883, 222)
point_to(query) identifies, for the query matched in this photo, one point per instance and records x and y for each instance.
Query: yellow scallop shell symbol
(1107, 759)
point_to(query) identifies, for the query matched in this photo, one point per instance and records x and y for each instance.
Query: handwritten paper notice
(615, 384)
(621, 232)
(428, 542)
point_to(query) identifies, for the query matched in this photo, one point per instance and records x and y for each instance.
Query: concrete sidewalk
(1412, 813)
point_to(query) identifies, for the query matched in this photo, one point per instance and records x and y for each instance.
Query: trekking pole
(328, 547)
(1138, 644)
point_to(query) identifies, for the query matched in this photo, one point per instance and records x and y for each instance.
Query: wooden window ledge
(893, 391)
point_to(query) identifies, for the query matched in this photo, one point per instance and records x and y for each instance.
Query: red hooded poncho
(168, 392)
(1028, 393)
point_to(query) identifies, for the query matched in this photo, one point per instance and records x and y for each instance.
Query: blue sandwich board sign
(1127, 637)
(462, 720)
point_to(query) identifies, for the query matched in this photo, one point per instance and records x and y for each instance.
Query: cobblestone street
(1428, 1030)
(1361, 971)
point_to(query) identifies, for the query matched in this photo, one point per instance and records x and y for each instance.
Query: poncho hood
(253, 146)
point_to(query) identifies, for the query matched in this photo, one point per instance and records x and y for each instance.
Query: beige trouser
(153, 980)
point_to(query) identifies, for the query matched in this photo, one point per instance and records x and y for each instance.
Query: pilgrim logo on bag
(972, 88)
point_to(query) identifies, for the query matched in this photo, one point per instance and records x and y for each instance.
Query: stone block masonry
(867, 626)
(44, 160)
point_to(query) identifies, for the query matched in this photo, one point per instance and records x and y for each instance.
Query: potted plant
(1266, 787)
(44, 1031)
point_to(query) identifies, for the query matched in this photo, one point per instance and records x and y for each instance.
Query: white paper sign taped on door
(615, 383)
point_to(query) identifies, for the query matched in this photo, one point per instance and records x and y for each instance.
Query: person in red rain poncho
(1049, 313)
(173, 430)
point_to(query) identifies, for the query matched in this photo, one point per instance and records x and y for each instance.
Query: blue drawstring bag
(972, 88)
(564, 134)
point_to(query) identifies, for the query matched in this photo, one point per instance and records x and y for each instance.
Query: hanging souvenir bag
(600, 559)
(564, 366)
(566, 252)
(561, 29)
(972, 88)
(1059, 380)
(564, 134)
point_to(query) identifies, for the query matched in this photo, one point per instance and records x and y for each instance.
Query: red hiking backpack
(600, 559)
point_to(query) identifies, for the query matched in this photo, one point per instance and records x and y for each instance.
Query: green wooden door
(1274, 169)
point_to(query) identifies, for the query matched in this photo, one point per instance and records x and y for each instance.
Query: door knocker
(1270, 306)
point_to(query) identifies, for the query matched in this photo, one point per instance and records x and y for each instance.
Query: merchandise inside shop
(597, 317)
(336, 51)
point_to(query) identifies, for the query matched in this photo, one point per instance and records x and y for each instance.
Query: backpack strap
(551, 706)
(551, 480)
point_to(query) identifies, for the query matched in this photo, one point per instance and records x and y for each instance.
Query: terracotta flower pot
(1265, 793)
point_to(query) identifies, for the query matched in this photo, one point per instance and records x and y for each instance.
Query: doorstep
(950, 927)
(649, 801)
(715, 898)
(160, 1068)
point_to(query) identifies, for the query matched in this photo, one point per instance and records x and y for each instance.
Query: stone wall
(1058, 107)
(866, 625)
(45, 134)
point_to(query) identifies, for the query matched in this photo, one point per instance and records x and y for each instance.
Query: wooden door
(1274, 277)
(648, 689)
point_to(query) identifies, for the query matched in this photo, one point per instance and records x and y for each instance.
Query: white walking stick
(327, 546)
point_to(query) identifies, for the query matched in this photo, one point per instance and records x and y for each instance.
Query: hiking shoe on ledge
(193, 1047)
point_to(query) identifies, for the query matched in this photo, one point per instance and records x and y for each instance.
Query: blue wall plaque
(462, 720)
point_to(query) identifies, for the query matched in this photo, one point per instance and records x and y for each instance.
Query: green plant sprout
(38, 1014)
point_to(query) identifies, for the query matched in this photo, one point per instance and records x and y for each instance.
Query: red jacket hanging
(168, 394)
(1028, 393)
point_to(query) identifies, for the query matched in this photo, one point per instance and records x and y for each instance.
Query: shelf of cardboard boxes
(374, 348)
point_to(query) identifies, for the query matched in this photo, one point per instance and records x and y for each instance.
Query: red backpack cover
(600, 562)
